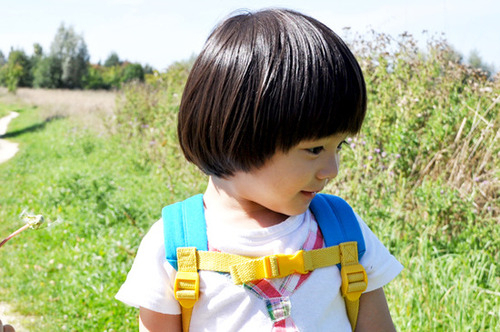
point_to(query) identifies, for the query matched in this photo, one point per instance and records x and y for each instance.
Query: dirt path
(9, 317)
(7, 149)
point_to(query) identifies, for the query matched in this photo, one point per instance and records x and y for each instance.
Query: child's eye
(340, 145)
(316, 150)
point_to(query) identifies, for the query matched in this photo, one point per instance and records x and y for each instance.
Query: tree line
(66, 66)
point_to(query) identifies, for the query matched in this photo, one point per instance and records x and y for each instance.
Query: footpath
(7, 149)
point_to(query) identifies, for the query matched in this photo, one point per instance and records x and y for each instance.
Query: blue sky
(159, 32)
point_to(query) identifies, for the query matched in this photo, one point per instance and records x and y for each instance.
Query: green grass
(5, 109)
(67, 275)
(430, 195)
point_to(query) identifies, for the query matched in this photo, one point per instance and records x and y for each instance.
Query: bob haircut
(266, 81)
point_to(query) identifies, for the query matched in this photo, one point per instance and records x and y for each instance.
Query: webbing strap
(186, 314)
(245, 269)
(354, 280)
(187, 283)
(184, 224)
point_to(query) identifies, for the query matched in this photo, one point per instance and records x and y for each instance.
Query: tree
(69, 53)
(2, 59)
(148, 69)
(477, 62)
(19, 58)
(35, 60)
(94, 78)
(16, 71)
(37, 50)
(133, 71)
(47, 73)
(3, 69)
(112, 60)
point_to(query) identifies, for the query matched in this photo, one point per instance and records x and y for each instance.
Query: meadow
(423, 173)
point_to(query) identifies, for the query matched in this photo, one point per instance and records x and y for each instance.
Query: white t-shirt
(317, 305)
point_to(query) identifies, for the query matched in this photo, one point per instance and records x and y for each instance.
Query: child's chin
(297, 210)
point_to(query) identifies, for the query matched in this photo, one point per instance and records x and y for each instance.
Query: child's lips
(310, 194)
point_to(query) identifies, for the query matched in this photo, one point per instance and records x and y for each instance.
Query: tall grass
(423, 173)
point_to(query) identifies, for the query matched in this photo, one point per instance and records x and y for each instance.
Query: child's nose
(330, 168)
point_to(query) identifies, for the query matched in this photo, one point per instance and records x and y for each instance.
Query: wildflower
(377, 150)
(384, 154)
(31, 221)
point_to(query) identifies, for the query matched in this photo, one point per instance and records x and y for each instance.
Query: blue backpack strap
(184, 226)
(337, 221)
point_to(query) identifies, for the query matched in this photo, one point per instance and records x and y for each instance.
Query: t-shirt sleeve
(150, 281)
(381, 267)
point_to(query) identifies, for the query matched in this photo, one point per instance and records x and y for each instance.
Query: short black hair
(265, 81)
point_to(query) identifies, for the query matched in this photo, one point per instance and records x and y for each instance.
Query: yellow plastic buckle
(187, 288)
(354, 281)
(281, 265)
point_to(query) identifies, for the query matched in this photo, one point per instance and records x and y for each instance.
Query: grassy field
(423, 173)
(106, 196)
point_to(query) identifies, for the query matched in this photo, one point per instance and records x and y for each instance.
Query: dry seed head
(35, 221)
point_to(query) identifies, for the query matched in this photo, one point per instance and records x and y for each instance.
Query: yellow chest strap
(245, 269)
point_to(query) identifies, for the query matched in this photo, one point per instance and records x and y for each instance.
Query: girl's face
(287, 183)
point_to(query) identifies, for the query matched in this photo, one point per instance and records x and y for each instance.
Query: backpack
(186, 248)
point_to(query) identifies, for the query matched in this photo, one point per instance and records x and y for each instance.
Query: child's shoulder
(152, 243)
(155, 229)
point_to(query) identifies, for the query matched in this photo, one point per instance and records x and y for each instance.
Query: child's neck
(237, 211)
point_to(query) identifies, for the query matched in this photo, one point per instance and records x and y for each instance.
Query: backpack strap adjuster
(187, 288)
(354, 281)
(187, 279)
(354, 278)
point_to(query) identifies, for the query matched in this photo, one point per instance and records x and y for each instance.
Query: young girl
(266, 108)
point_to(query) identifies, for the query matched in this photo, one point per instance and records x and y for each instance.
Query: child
(266, 108)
